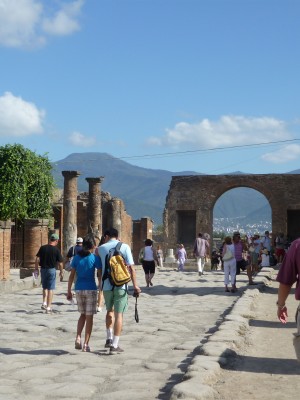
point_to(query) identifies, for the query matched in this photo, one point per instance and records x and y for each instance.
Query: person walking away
(240, 247)
(215, 260)
(116, 298)
(229, 264)
(181, 257)
(73, 250)
(280, 247)
(84, 265)
(49, 258)
(288, 274)
(201, 248)
(148, 262)
(266, 241)
(160, 256)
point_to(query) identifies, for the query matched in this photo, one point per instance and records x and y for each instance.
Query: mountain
(142, 190)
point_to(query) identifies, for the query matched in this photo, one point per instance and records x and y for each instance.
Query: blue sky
(182, 85)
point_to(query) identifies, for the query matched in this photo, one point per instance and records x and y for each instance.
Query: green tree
(27, 184)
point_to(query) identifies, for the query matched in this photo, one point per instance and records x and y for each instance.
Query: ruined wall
(194, 197)
(5, 244)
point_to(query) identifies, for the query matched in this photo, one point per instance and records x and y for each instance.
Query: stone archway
(191, 199)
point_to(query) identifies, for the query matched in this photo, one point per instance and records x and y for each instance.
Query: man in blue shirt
(116, 297)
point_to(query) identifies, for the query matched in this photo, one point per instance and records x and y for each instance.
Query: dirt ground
(266, 366)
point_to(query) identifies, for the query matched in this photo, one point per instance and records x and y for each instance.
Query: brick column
(70, 209)
(35, 235)
(94, 209)
(5, 243)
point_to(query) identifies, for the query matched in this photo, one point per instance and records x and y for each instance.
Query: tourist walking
(148, 261)
(289, 273)
(73, 250)
(229, 264)
(241, 264)
(84, 264)
(181, 257)
(160, 256)
(116, 298)
(201, 248)
(279, 247)
(49, 258)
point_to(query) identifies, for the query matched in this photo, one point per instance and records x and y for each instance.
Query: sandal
(86, 348)
(78, 345)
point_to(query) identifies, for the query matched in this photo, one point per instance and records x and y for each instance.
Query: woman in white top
(148, 262)
(229, 264)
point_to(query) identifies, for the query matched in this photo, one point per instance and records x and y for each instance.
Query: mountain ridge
(144, 190)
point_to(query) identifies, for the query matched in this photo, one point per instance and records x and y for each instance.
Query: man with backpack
(115, 295)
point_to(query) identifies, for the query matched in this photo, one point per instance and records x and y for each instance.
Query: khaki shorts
(87, 301)
(116, 300)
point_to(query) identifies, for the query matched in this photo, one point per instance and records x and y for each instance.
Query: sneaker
(108, 344)
(99, 309)
(48, 310)
(114, 350)
(44, 306)
(200, 273)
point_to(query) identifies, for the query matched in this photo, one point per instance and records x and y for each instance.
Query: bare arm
(70, 283)
(283, 293)
(133, 278)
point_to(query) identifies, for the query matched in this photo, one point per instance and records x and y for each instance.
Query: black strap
(136, 314)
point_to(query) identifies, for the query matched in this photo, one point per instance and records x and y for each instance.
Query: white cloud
(26, 23)
(18, 23)
(285, 154)
(64, 22)
(18, 117)
(78, 139)
(227, 131)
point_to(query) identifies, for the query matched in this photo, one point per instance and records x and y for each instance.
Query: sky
(210, 86)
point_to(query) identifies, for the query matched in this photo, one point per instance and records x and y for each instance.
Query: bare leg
(150, 279)
(118, 324)
(80, 326)
(45, 296)
(109, 319)
(49, 298)
(88, 328)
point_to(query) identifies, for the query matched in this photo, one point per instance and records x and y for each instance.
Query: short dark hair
(111, 232)
(88, 244)
(148, 242)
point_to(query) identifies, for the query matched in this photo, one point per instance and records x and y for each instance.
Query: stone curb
(220, 346)
(16, 285)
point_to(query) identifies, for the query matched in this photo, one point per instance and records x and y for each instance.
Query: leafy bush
(27, 184)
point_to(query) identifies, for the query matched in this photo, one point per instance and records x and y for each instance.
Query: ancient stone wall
(191, 199)
(5, 244)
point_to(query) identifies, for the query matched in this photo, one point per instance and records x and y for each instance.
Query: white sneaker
(44, 306)
(99, 309)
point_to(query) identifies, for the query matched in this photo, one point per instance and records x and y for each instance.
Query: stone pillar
(5, 243)
(70, 209)
(116, 214)
(94, 210)
(35, 235)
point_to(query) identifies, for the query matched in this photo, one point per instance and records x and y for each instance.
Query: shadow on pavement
(280, 366)
(9, 351)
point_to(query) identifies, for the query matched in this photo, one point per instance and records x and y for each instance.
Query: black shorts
(149, 267)
(241, 265)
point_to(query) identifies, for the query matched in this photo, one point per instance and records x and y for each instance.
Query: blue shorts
(48, 278)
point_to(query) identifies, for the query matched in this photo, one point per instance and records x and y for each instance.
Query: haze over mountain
(144, 191)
